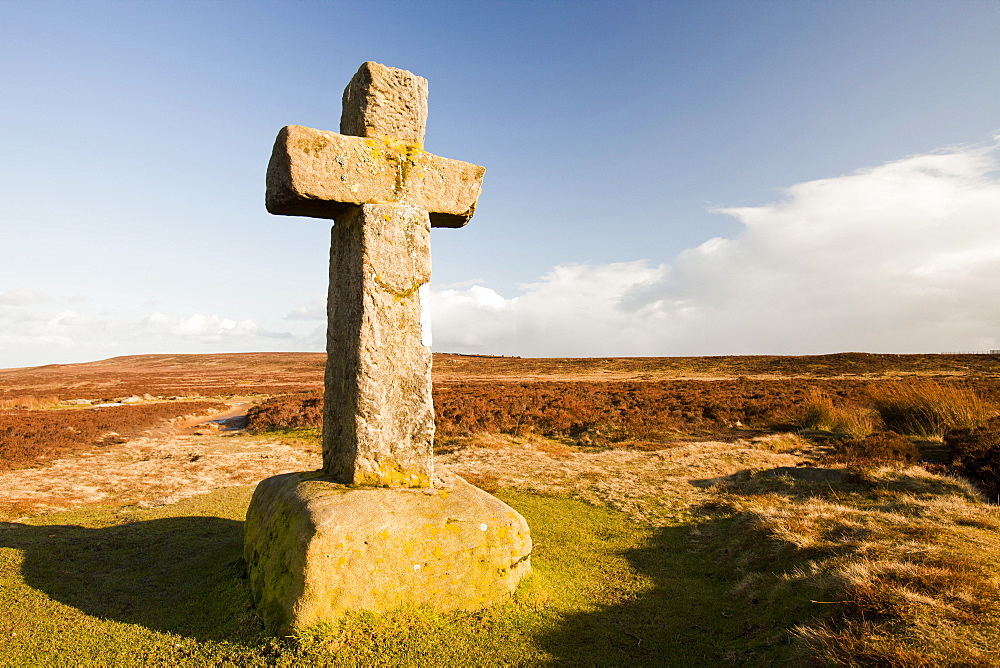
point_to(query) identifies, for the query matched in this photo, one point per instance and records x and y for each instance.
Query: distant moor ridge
(277, 373)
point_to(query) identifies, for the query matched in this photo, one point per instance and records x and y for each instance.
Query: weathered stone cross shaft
(317, 548)
(384, 194)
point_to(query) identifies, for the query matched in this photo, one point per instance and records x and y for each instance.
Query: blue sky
(663, 178)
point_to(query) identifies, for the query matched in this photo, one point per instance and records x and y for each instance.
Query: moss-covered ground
(166, 586)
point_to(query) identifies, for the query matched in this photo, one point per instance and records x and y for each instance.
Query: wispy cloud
(30, 334)
(23, 297)
(903, 257)
(314, 310)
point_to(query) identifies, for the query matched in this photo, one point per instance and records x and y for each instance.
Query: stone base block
(316, 549)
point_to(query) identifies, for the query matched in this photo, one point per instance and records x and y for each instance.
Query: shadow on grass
(691, 615)
(728, 590)
(181, 575)
(608, 591)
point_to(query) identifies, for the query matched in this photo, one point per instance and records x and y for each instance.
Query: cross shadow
(718, 594)
(691, 615)
(182, 575)
(698, 609)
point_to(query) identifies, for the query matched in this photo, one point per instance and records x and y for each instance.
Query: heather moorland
(836, 509)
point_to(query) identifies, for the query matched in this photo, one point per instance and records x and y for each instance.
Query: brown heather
(881, 448)
(303, 410)
(866, 560)
(975, 455)
(31, 436)
(589, 413)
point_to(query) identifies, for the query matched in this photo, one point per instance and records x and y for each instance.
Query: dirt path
(232, 420)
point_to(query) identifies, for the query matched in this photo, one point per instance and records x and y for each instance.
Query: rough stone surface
(385, 101)
(316, 549)
(378, 429)
(377, 528)
(323, 174)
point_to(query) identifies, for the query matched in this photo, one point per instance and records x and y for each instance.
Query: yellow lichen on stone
(435, 566)
(391, 476)
(312, 145)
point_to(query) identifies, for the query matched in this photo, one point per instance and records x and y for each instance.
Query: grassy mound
(166, 586)
(782, 567)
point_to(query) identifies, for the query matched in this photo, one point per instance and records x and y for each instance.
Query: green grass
(166, 586)
(859, 567)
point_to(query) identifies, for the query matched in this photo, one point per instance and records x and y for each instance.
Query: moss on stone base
(316, 549)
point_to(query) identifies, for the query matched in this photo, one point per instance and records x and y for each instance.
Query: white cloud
(903, 257)
(213, 328)
(23, 297)
(314, 310)
(574, 310)
(29, 335)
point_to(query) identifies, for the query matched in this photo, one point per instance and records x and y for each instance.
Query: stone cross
(384, 193)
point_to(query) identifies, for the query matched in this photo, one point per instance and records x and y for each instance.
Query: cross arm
(320, 174)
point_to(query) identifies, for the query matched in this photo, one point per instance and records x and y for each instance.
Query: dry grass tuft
(820, 413)
(927, 408)
(903, 562)
(782, 443)
(29, 402)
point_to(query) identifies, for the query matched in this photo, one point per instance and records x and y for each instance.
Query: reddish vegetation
(280, 373)
(592, 412)
(589, 412)
(169, 375)
(28, 436)
(291, 411)
(603, 412)
(449, 367)
(592, 400)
